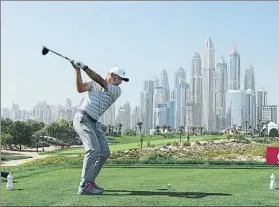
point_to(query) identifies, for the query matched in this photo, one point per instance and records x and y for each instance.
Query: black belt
(87, 115)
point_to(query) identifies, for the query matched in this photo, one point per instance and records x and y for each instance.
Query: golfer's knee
(92, 153)
(105, 154)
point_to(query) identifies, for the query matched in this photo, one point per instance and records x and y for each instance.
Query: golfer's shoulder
(114, 89)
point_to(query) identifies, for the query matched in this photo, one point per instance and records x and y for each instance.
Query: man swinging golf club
(101, 94)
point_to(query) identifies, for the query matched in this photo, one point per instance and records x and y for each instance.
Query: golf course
(53, 180)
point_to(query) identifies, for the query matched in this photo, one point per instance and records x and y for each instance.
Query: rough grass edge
(155, 159)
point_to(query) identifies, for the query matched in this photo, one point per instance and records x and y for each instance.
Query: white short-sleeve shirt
(98, 100)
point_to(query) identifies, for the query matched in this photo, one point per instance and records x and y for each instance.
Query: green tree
(109, 128)
(181, 129)
(104, 128)
(119, 129)
(164, 128)
(37, 137)
(139, 124)
(193, 129)
(169, 128)
(7, 140)
(157, 130)
(5, 123)
(21, 132)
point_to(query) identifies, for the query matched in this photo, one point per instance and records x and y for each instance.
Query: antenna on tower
(180, 63)
(235, 46)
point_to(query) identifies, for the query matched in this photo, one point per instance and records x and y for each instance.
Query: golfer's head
(116, 75)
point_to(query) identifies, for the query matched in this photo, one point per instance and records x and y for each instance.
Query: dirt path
(25, 152)
(19, 162)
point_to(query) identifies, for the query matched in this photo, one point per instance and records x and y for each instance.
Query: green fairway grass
(143, 187)
(13, 157)
(132, 142)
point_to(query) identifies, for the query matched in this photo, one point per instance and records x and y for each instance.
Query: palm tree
(164, 128)
(139, 124)
(181, 128)
(119, 128)
(193, 129)
(201, 128)
(240, 128)
(157, 129)
(109, 128)
(169, 128)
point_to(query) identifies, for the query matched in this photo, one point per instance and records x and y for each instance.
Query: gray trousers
(95, 145)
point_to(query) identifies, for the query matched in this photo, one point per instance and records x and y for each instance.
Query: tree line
(31, 133)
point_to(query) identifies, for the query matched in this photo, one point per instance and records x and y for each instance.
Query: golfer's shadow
(164, 193)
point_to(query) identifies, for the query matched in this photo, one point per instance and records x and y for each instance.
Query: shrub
(156, 157)
(197, 143)
(40, 144)
(187, 144)
(56, 161)
(229, 136)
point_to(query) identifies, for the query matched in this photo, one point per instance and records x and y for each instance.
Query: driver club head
(45, 50)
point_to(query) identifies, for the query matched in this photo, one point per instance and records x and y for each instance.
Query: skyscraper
(135, 117)
(221, 85)
(165, 85)
(158, 97)
(194, 103)
(124, 116)
(250, 108)
(208, 92)
(147, 105)
(68, 103)
(249, 78)
(235, 108)
(180, 97)
(109, 116)
(234, 69)
(261, 101)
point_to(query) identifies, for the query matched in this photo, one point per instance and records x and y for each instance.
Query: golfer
(101, 94)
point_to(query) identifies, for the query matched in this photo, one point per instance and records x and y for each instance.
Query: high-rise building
(165, 85)
(147, 105)
(158, 97)
(269, 113)
(194, 103)
(221, 85)
(234, 69)
(164, 114)
(249, 78)
(109, 116)
(235, 108)
(180, 97)
(208, 92)
(135, 117)
(124, 116)
(6, 113)
(15, 113)
(261, 101)
(250, 108)
(68, 103)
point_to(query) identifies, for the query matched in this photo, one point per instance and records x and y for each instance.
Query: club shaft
(59, 54)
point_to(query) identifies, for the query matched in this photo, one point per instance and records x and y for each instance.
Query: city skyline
(254, 50)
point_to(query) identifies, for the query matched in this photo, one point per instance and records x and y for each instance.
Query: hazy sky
(141, 37)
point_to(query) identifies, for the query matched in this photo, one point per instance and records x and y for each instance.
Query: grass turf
(143, 187)
(132, 142)
(13, 157)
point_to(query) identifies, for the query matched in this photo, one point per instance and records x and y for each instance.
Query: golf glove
(80, 65)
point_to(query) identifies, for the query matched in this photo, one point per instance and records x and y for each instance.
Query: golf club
(45, 51)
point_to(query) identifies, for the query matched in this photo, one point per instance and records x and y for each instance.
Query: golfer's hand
(74, 66)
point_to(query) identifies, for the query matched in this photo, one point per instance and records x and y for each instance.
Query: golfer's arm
(81, 87)
(97, 78)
